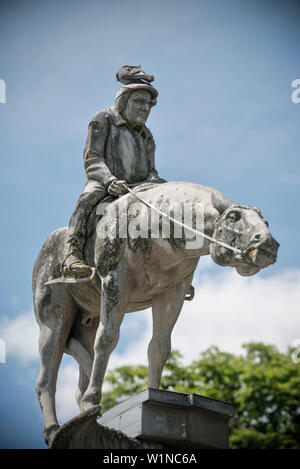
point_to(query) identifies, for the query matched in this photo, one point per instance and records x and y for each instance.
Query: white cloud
(227, 311)
(66, 405)
(21, 337)
(136, 349)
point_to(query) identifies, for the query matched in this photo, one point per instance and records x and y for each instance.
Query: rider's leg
(74, 263)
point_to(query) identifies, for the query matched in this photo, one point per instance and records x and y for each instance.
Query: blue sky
(224, 118)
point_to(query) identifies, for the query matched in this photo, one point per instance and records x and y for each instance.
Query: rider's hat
(124, 92)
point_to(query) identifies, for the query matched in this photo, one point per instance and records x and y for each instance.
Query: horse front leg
(116, 288)
(165, 311)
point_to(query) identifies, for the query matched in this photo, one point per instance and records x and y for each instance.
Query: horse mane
(220, 202)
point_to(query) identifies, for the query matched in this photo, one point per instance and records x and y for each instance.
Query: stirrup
(69, 271)
(74, 266)
(72, 279)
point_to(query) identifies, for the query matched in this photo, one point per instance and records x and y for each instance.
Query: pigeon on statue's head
(129, 74)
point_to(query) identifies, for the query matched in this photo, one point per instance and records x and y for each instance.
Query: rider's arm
(94, 152)
(152, 174)
(151, 156)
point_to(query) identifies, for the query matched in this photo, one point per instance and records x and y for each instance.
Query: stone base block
(172, 419)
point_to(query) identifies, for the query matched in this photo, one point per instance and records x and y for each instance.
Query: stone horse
(133, 273)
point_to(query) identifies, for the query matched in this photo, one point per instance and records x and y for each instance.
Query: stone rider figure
(119, 148)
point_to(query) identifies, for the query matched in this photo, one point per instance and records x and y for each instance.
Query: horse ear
(220, 202)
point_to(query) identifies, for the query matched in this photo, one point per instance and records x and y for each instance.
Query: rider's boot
(74, 264)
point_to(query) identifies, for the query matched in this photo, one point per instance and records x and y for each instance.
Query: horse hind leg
(165, 311)
(55, 313)
(80, 346)
(83, 383)
(81, 355)
(81, 349)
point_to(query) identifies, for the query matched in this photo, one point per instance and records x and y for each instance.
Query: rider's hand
(116, 188)
(157, 180)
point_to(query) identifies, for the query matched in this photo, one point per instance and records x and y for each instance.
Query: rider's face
(138, 107)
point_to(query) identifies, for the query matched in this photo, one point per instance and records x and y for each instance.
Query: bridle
(70, 280)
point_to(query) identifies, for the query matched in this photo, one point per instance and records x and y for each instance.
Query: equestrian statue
(129, 247)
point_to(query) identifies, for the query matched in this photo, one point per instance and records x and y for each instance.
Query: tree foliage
(262, 384)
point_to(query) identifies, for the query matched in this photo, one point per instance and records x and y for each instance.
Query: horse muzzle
(262, 254)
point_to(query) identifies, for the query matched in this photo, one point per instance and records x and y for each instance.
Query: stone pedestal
(171, 419)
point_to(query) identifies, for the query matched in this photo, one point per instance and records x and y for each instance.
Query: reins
(193, 230)
(73, 280)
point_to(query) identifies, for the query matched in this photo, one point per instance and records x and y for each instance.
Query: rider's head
(135, 101)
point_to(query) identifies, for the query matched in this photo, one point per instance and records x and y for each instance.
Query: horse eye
(267, 223)
(234, 216)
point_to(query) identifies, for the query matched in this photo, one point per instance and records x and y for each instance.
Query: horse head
(243, 227)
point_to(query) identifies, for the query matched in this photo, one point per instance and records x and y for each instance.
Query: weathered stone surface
(152, 419)
(119, 150)
(175, 419)
(152, 273)
(133, 272)
(83, 432)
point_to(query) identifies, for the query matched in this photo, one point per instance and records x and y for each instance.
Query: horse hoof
(49, 433)
(91, 398)
(89, 404)
(90, 411)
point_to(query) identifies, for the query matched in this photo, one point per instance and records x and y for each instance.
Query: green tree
(262, 384)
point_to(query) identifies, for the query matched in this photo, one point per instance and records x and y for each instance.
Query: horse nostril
(257, 237)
